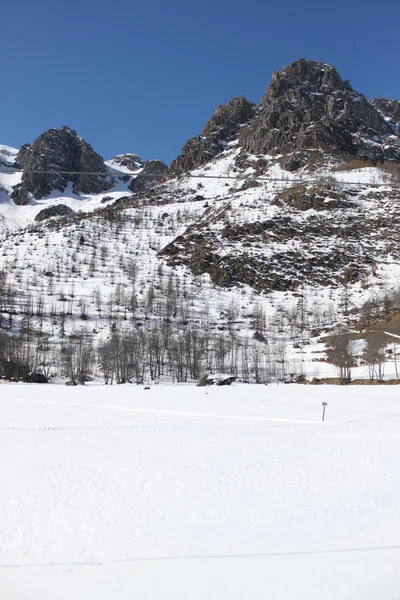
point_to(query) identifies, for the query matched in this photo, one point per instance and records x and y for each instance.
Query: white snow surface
(182, 492)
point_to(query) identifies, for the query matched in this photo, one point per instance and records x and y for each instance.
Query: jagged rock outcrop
(390, 110)
(220, 129)
(318, 234)
(152, 173)
(307, 111)
(285, 268)
(55, 210)
(220, 379)
(59, 150)
(7, 157)
(317, 197)
(308, 106)
(129, 160)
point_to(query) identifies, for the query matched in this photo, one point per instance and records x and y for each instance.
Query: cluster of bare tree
(19, 358)
(158, 323)
(377, 350)
(379, 304)
(159, 352)
(144, 355)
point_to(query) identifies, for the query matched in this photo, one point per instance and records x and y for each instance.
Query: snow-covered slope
(261, 251)
(7, 155)
(118, 267)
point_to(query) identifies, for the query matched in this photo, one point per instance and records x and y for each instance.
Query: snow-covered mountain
(278, 221)
(49, 177)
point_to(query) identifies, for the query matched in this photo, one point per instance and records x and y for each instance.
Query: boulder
(203, 381)
(55, 210)
(220, 379)
(36, 378)
(37, 375)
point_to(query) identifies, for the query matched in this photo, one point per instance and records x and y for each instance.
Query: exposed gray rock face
(220, 129)
(217, 379)
(6, 158)
(129, 160)
(282, 252)
(306, 111)
(308, 106)
(152, 173)
(59, 150)
(318, 232)
(56, 210)
(391, 111)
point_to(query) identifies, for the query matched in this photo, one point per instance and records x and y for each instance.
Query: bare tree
(77, 358)
(374, 354)
(106, 358)
(341, 355)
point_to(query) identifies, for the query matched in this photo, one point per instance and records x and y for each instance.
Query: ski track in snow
(170, 412)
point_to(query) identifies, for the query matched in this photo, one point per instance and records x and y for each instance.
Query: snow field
(215, 493)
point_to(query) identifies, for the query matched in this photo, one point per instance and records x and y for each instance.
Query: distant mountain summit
(59, 150)
(128, 161)
(308, 106)
(67, 159)
(7, 156)
(307, 112)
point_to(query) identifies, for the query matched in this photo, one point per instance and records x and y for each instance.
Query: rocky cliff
(307, 109)
(308, 106)
(219, 130)
(151, 174)
(390, 110)
(128, 160)
(62, 152)
(272, 224)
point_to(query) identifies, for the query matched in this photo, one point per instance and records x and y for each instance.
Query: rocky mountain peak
(59, 150)
(129, 160)
(308, 106)
(219, 130)
(7, 156)
(309, 74)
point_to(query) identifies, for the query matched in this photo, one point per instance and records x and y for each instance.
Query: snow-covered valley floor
(181, 493)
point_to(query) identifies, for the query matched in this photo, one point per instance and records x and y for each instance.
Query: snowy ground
(183, 493)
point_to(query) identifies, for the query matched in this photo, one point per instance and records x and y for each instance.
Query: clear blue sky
(145, 77)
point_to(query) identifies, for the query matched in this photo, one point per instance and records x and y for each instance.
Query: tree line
(145, 355)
